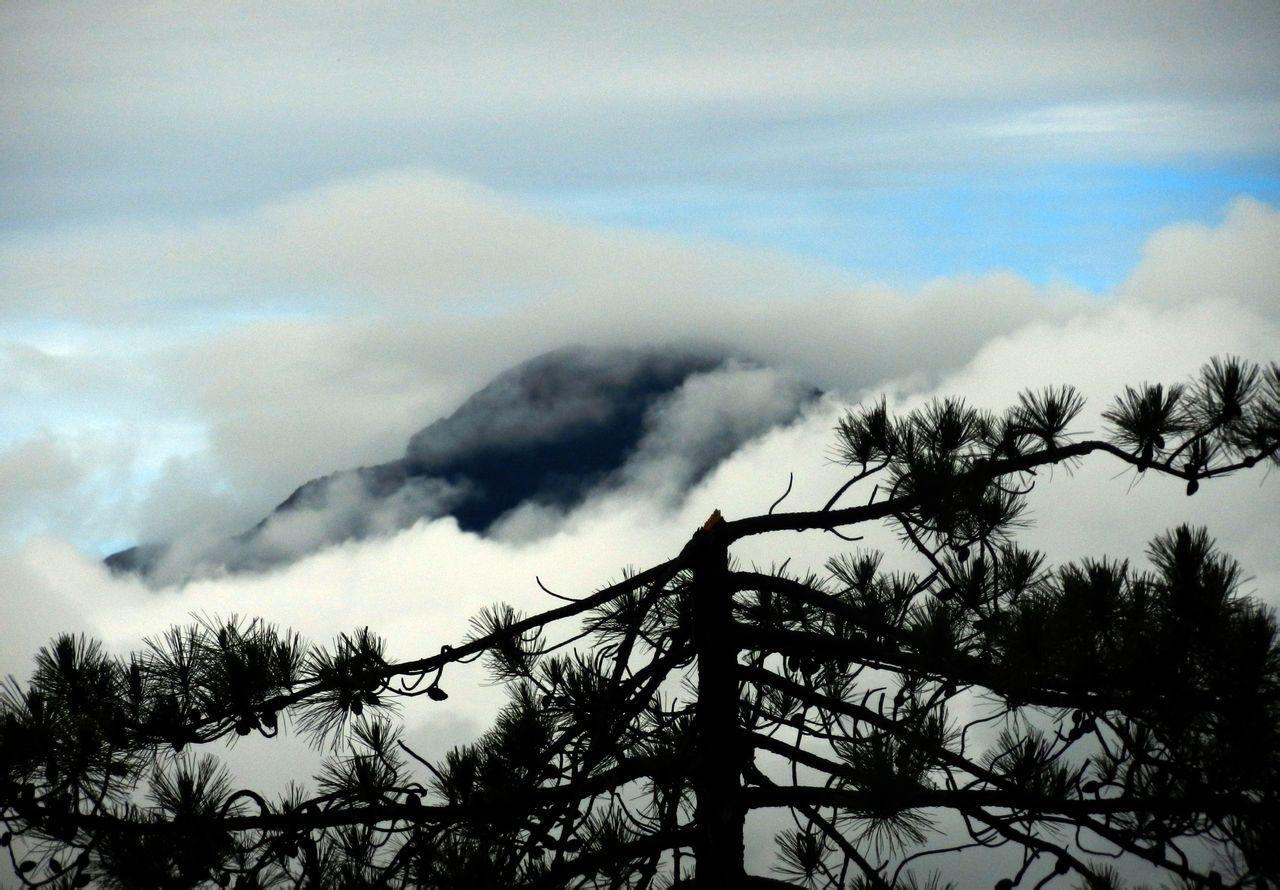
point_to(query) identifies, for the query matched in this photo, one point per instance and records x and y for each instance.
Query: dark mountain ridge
(548, 433)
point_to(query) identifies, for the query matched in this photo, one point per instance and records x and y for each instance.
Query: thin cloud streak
(219, 109)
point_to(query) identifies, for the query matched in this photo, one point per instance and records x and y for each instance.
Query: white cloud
(422, 583)
(411, 243)
(705, 421)
(1103, 507)
(419, 587)
(1193, 263)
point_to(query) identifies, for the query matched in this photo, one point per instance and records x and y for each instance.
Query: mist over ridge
(519, 453)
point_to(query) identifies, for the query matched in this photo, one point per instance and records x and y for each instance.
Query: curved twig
(791, 477)
(547, 590)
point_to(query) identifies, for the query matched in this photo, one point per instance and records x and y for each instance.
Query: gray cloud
(345, 510)
(219, 108)
(420, 585)
(687, 433)
(555, 395)
(32, 471)
(706, 420)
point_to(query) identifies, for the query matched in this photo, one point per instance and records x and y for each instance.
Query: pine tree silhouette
(1138, 709)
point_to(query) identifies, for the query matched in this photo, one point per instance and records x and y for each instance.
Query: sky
(242, 246)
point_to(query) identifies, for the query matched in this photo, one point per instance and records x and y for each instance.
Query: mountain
(544, 435)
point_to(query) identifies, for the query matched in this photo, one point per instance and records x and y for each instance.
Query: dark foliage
(1076, 715)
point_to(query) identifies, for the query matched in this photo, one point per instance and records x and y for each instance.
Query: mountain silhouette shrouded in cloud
(537, 441)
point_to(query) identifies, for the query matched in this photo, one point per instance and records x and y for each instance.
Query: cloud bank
(419, 586)
(164, 419)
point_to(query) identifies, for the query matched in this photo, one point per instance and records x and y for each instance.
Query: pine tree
(1138, 709)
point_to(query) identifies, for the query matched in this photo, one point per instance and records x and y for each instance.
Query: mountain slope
(544, 434)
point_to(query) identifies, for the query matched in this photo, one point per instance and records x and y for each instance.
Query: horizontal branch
(999, 790)
(611, 857)
(878, 802)
(307, 818)
(659, 575)
(811, 596)
(983, 470)
(655, 576)
(1020, 689)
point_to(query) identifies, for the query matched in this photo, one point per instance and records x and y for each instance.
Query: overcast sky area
(245, 245)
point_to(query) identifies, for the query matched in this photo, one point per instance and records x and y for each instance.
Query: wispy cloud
(165, 112)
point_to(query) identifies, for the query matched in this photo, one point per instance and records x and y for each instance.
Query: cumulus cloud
(686, 434)
(555, 395)
(1191, 263)
(706, 420)
(226, 422)
(637, 522)
(1104, 507)
(345, 510)
(517, 455)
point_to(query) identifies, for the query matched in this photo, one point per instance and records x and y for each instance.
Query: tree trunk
(717, 779)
